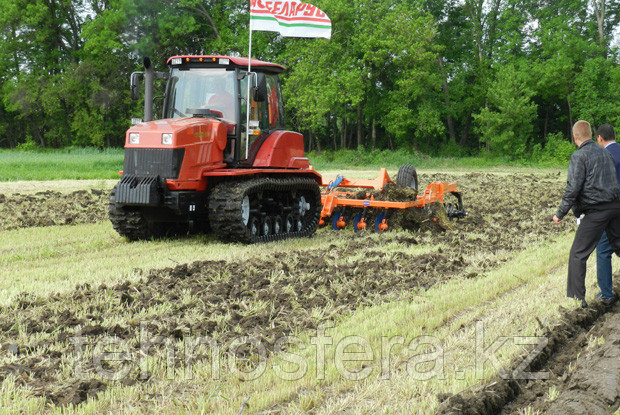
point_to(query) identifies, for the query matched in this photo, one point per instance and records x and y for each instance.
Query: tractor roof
(226, 61)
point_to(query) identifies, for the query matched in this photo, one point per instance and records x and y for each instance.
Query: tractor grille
(162, 162)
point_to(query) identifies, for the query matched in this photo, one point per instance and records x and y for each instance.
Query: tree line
(439, 76)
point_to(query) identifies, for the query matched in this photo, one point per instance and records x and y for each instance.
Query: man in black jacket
(591, 190)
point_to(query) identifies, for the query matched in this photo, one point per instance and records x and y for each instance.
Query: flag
(289, 18)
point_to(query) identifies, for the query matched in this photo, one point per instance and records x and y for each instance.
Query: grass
(93, 164)
(63, 186)
(353, 159)
(74, 163)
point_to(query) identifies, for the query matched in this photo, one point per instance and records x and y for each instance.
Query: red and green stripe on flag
(289, 18)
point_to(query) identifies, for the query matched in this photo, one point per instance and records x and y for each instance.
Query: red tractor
(201, 166)
(208, 166)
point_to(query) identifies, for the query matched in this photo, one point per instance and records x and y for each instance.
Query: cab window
(274, 100)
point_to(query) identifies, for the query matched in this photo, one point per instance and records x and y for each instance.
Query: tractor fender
(283, 149)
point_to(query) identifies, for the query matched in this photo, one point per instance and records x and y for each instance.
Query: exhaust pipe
(149, 77)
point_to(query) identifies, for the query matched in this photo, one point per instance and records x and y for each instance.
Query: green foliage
(451, 148)
(597, 92)
(381, 57)
(362, 157)
(506, 123)
(445, 78)
(28, 146)
(375, 159)
(557, 150)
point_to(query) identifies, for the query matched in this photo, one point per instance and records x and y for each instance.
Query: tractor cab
(217, 87)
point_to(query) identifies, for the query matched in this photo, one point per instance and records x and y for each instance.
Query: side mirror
(135, 85)
(260, 89)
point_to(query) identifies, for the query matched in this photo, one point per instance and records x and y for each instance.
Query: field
(70, 163)
(103, 165)
(337, 323)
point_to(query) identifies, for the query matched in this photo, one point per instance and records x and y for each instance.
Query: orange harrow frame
(333, 200)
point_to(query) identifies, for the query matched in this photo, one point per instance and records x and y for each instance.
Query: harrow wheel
(407, 176)
(455, 210)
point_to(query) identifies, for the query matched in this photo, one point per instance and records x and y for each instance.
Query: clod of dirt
(594, 385)
(77, 393)
(52, 208)
(390, 191)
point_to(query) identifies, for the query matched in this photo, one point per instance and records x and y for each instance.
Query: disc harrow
(366, 211)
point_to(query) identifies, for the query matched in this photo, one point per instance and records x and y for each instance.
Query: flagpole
(247, 128)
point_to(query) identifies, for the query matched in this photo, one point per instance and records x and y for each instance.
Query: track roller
(265, 209)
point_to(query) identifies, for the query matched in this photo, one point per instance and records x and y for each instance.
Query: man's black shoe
(584, 304)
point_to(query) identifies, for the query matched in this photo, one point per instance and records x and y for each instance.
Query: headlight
(134, 138)
(166, 139)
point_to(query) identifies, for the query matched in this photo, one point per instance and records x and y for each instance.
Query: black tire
(266, 226)
(254, 226)
(407, 177)
(278, 225)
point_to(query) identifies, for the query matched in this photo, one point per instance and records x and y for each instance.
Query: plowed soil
(268, 297)
(52, 208)
(582, 359)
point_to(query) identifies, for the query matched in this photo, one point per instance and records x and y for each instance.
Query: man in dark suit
(592, 190)
(606, 138)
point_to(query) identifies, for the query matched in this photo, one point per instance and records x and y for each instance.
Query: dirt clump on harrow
(391, 191)
(432, 218)
(52, 208)
(580, 359)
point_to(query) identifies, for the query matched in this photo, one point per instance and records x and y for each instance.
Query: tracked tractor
(220, 160)
(202, 167)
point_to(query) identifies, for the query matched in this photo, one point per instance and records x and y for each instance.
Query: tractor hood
(177, 132)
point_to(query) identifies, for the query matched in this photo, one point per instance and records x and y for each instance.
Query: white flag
(289, 18)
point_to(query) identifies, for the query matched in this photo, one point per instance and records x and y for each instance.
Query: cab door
(266, 116)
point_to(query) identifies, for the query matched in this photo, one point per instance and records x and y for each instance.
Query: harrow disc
(378, 222)
(336, 221)
(356, 221)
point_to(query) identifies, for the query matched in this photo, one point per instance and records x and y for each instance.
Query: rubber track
(129, 223)
(225, 207)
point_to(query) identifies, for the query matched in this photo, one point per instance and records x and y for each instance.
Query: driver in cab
(222, 100)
